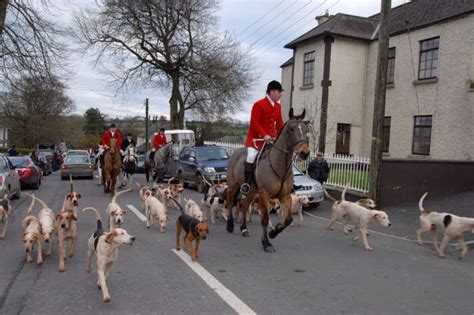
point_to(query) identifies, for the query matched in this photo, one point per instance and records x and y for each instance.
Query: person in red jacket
(111, 133)
(265, 124)
(158, 140)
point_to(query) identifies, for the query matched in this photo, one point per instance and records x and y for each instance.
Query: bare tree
(172, 45)
(30, 44)
(33, 108)
(313, 115)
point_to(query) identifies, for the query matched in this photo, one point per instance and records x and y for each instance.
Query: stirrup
(244, 189)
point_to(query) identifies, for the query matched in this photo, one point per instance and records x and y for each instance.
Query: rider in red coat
(265, 124)
(158, 140)
(111, 133)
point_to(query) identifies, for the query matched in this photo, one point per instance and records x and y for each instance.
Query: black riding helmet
(274, 85)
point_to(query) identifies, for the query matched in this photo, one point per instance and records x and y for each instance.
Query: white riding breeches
(251, 155)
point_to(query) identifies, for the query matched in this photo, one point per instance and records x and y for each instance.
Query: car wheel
(181, 180)
(200, 183)
(63, 177)
(17, 195)
(36, 185)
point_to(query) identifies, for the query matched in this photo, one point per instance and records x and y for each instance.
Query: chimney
(323, 18)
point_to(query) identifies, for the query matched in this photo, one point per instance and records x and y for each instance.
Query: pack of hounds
(155, 201)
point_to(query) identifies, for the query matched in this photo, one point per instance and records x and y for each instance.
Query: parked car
(44, 163)
(9, 179)
(77, 166)
(196, 163)
(305, 185)
(140, 164)
(29, 172)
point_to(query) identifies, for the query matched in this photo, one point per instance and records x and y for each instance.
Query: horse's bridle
(287, 152)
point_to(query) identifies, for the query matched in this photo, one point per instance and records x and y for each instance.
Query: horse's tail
(177, 203)
(120, 193)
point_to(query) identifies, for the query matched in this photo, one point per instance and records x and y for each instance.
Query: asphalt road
(314, 271)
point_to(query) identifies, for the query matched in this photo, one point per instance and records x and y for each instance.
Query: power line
(259, 19)
(280, 25)
(263, 26)
(290, 27)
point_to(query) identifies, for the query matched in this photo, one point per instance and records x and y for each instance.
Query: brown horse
(273, 177)
(112, 166)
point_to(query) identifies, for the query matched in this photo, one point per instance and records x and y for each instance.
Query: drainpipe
(325, 83)
(292, 78)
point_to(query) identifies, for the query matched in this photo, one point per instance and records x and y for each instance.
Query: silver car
(305, 185)
(9, 179)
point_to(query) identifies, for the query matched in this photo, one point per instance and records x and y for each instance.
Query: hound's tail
(72, 184)
(30, 208)
(420, 203)
(207, 182)
(43, 204)
(120, 193)
(329, 196)
(177, 203)
(139, 185)
(169, 180)
(343, 195)
(97, 217)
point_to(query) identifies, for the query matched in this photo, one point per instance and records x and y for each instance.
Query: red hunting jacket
(106, 138)
(158, 141)
(264, 120)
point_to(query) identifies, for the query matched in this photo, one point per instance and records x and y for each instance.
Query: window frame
(308, 73)
(391, 66)
(422, 127)
(386, 139)
(432, 59)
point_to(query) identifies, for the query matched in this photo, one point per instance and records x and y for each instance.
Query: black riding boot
(152, 157)
(245, 188)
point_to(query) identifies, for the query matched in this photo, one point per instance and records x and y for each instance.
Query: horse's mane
(281, 130)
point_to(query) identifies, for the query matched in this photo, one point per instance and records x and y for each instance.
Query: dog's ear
(24, 237)
(196, 230)
(72, 217)
(58, 216)
(376, 215)
(112, 212)
(36, 237)
(78, 196)
(69, 196)
(110, 236)
(123, 211)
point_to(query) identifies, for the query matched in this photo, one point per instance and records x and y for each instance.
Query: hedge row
(21, 151)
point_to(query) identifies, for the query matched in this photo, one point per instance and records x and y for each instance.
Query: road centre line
(230, 298)
(137, 212)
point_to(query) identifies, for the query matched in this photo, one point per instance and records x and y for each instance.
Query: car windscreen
(297, 172)
(79, 159)
(211, 153)
(19, 162)
(141, 158)
(75, 153)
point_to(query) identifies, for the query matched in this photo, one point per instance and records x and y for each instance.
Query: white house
(430, 95)
(3, 137)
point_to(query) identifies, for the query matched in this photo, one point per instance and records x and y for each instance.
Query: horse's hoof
(267, 247)
(272, 234)
(230, 227)
(245, 233)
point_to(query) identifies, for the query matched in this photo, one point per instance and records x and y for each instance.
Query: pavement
(314, 271)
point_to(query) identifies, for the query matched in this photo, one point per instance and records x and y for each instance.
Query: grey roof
(289, 62)
(422, 13)
(418, 13)
(341, 24)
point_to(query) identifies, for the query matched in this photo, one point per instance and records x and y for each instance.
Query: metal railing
(344, 169)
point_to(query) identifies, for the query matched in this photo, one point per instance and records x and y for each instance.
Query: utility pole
(146, 125)
(379, 101)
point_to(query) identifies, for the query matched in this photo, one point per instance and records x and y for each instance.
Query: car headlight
(209, 170)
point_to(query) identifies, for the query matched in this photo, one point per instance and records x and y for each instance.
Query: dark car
(30, 174)
(140, 164)
(44, 163)
(199, 163)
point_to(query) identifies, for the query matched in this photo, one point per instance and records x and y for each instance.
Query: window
(386, 133)
(343, 138)
(428, 67)
(422, 135)
(308, 69)
(391, 66)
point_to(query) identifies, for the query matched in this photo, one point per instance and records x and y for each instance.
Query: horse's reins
(287, 152)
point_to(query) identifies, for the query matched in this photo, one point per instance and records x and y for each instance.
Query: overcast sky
(264, 25)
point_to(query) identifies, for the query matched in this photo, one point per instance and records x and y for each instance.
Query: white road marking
(385, 234)
(137, 212)
(230, 298)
